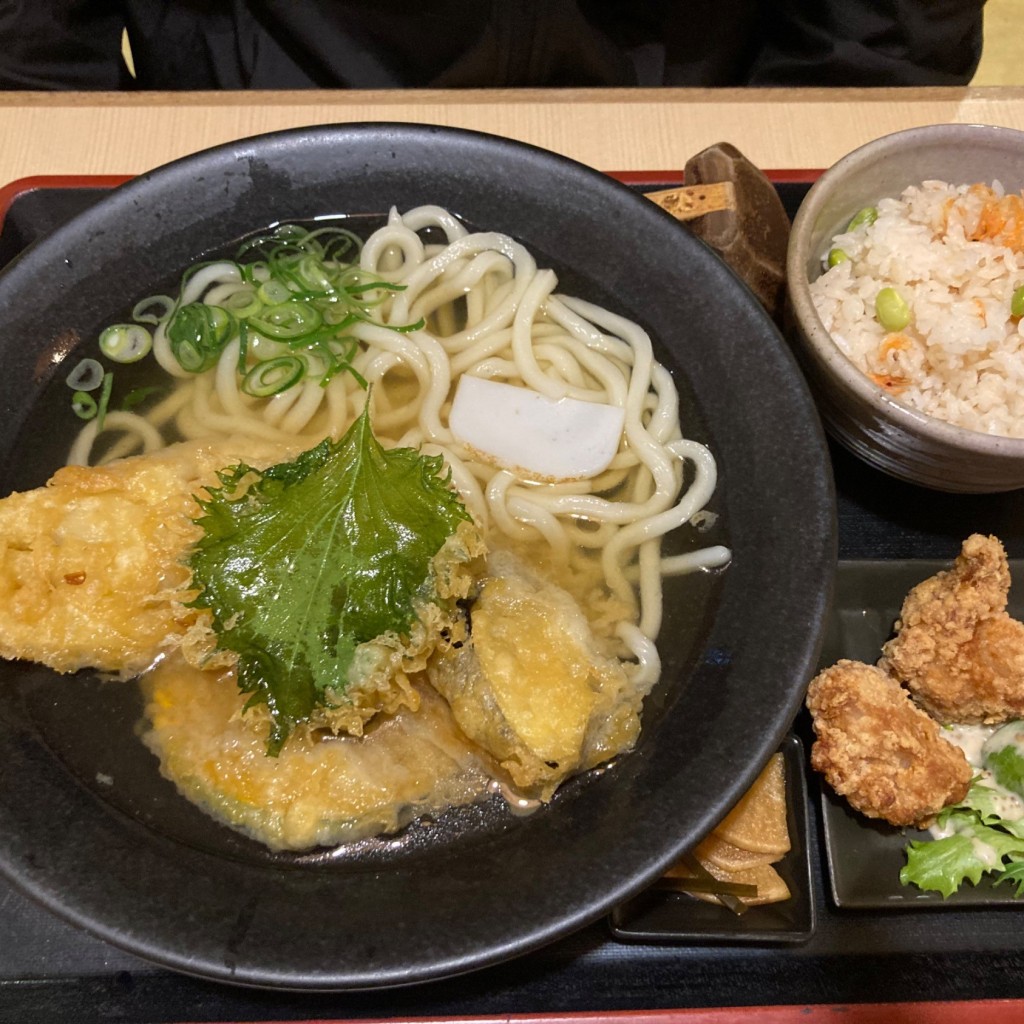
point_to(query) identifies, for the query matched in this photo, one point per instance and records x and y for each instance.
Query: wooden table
(614, 130)
(104, 133)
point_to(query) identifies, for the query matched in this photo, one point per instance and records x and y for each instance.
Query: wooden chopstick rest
(731, 205)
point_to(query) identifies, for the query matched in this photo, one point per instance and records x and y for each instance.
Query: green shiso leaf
(302, 562)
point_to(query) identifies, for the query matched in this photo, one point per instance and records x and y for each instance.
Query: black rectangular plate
(660, 916)
(864, 856)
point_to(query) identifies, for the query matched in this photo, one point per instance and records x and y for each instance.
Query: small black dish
(657, 915)
(865, 856)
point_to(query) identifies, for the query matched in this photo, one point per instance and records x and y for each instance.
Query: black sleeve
(869, 43)
(232, 44)
(61, 44)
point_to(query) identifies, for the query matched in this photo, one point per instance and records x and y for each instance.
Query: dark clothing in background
(376, 44)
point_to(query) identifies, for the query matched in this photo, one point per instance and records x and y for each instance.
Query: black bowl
(137, 865)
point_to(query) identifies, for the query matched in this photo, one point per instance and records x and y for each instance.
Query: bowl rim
(826, 351)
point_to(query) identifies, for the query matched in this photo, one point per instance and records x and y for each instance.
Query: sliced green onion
(312, 273)
(340, 361)
(408, 328)
(243, 347)
(243, 303)
(864, 218)
(273, 376)
(153, 310)
(301, 289)
(273, 292)
(359, 378)
(358, 286)
(86, 376)
(339, 316)
(83, 405)
(126, 343)
(101, 412)
(198, 334)
(1017, 302)
(339, 241)
(254, 273)
(138, 395)
(287, 321)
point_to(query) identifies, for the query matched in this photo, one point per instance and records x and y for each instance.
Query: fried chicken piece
(879, 750)
(956, 649)
(91, 571)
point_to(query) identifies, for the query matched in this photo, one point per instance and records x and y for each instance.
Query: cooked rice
(956, 256)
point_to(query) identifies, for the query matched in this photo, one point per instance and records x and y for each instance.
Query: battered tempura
(95, 572)
(530, 686)
(91, 571)
(321, 790)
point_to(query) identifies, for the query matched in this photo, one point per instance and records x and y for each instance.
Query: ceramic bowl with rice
(906, 304)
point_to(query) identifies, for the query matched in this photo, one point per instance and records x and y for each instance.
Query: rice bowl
(870, 409)
(952, 255)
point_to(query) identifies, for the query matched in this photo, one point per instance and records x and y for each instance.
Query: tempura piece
(321, 790)
(332, 575)
(530, 686)
(90, 564)
(956, 649)
(385, 667)
(879, 750)
(97, 570)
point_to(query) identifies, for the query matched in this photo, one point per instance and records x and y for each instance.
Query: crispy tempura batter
(880, 751)
(92, 575)
(319, 791)
(530, 686)
(90, 565)
(956, 649)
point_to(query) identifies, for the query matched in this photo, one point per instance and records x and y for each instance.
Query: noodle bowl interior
(538, 667)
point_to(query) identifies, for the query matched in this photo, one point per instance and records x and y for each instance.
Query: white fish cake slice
(532, 435)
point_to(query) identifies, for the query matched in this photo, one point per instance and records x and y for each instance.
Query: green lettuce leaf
(984, 799)
(943, 865)
(1014, 874)
(302, 562)
(1007, 767)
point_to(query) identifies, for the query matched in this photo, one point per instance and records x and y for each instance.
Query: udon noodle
(485, 309)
